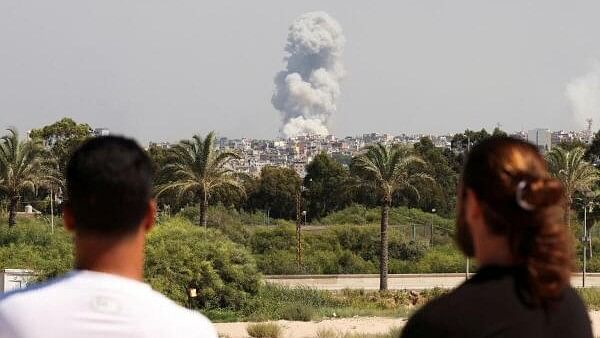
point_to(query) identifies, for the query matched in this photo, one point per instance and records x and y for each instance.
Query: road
(395, 282)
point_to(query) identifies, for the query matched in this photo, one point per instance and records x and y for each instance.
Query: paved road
(395, 282)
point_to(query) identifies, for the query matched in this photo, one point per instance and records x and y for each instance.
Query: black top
(494, 304)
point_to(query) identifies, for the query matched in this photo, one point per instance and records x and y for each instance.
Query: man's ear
(473, 211)
(150, 216)
(68, 219)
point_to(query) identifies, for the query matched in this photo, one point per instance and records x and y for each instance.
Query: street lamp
(192, 293)
(299, 224)
(431, 227)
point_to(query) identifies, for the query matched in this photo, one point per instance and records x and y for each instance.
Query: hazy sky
(164, 70)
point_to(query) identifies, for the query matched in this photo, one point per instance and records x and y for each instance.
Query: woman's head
(506, 193)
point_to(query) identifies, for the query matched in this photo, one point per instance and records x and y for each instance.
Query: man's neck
(123, 257)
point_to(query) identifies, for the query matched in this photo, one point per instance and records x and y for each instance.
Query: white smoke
(584, 95)
(306, 92)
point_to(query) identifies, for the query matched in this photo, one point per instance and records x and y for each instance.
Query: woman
(510, 220)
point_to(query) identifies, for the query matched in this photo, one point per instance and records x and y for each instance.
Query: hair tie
(520, 201)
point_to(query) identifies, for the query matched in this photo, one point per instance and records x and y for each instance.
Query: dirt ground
(293, 329)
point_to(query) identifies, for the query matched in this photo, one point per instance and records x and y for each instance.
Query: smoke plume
(584, 95)
(306, 92)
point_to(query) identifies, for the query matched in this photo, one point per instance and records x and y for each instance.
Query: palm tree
(573, 171)
(20, 164)
(194, 166)
(388, 169)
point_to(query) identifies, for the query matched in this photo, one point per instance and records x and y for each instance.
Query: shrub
(281, 262)
(266, 239)
(327, 333)
(264, 330)
(31, 245)
(180, 255)
(297, 311)
(408, 251)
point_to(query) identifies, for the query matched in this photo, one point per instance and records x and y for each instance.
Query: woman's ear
(68, 219)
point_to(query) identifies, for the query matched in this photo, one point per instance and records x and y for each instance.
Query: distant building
(542, 138)
(101, 132)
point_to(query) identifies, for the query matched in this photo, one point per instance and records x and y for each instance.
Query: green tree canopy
(20, 169)
(327, 186)
(276, 192)
(62, 137)
(196, 168)
(574, 172)
(388, 169)
(440, 196)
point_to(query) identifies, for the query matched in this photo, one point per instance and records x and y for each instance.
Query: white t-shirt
(94, 304)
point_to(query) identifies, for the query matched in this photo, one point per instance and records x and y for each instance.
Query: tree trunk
(12, 211)
(203, 212)
(383, 254)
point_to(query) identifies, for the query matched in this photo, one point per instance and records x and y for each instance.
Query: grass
(275, 302)
(264, 330)
(330, 333)
(590, 297)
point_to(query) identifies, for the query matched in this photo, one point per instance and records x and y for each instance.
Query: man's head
(109, 188)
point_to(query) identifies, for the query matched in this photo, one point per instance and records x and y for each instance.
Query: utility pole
(431, 228)
(51, 210)
(298, 229)
(468, 261)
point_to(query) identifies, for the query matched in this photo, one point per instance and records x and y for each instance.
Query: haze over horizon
(160, 70)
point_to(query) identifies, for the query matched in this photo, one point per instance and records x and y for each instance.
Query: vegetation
(275, 192)
(326, 183)
(574, 172)
(264, 330)
(20, 169)
(368, 214)
(387, 169)
(195, 167)
(330, 333)
(180, 257)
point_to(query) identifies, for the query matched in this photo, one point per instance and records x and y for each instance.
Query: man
(109, 210)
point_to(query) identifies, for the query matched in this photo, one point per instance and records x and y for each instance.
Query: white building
(101, 132)
(14, 279)
(542, 138)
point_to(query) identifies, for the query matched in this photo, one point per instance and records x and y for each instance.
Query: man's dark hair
(109, 185)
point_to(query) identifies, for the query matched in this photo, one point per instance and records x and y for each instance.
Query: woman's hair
(521, 201)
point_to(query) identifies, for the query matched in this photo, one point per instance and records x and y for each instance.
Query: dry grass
(264, 330)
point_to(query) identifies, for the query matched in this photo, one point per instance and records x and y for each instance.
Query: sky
(165, 70)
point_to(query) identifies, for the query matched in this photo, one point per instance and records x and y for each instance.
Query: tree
(195, 167)
(20, 168)
(276, 191)
(571, 144)
(499, 132)
(388, 169)
(592, 153)
(463, 141)
(440, 196)
(327, 186)
(62, 138)
(573, 171)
